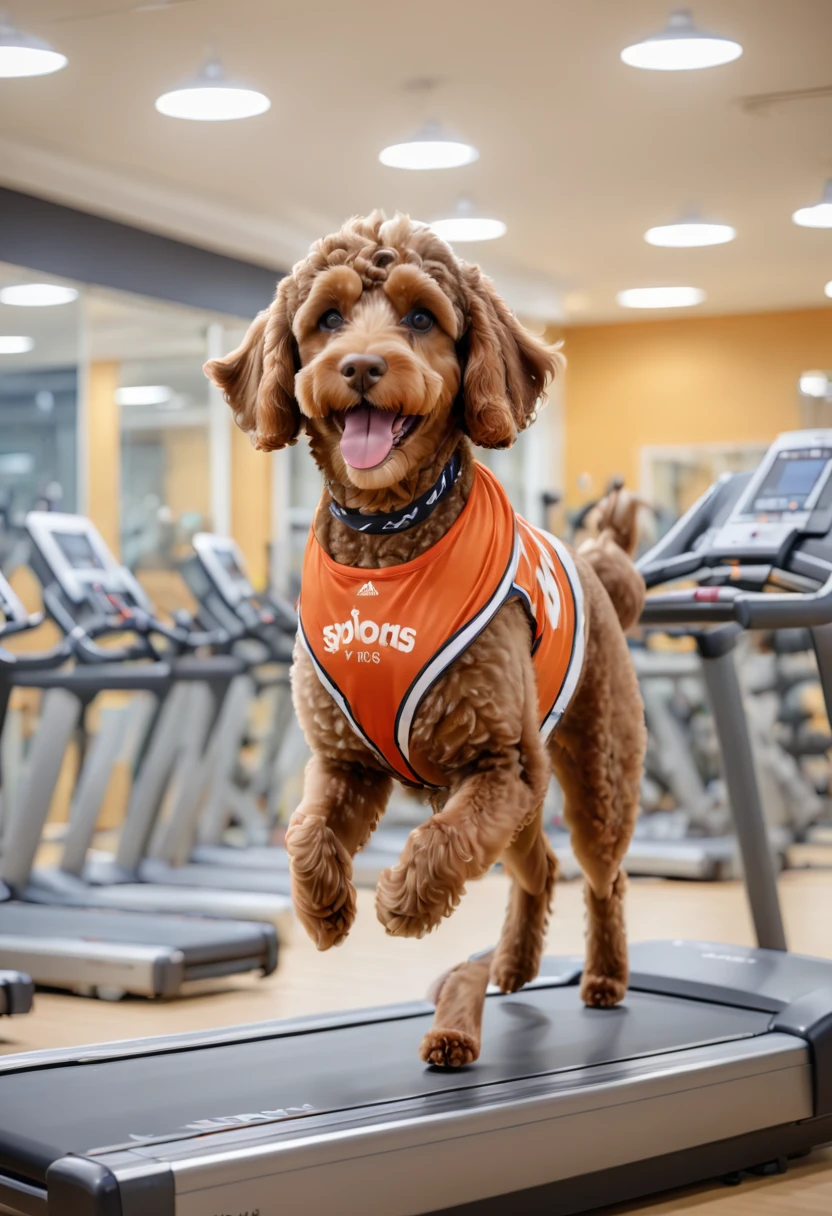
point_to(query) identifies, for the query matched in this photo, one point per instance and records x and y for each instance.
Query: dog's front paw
(322, 891)
(602, 991)
(426, 885)
(449, 1048)
(399, 906)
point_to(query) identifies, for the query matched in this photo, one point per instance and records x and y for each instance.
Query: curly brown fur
(473, 376)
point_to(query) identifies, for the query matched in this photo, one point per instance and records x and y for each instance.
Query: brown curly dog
(383, 316)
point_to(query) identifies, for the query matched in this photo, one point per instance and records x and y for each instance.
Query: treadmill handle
(31, 622)
(751, 609)
(54, 657)
(189, 639)
(88, 651)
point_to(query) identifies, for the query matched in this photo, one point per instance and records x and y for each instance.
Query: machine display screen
(229, 564)
(78, 551)
(791, 480)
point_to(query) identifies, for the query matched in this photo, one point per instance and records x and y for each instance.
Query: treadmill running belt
(80, 1107)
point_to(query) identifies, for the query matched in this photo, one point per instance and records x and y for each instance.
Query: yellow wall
(691, 381)
(186, 470)
(251, 504)
(104, 452)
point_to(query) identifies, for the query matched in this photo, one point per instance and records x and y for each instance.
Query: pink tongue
(367, 437)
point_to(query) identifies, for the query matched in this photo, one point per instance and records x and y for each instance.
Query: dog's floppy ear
(258, 379)
(505, 367)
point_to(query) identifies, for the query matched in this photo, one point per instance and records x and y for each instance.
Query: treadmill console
(755, 531)
(218, 579)
(789, 495)
(70, 553)
(223, 562)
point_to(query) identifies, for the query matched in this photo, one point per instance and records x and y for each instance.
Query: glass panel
(162, 397)
(39, 379)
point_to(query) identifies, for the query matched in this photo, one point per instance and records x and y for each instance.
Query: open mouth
(369, 434)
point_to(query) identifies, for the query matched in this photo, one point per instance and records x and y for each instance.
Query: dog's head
(382, 343)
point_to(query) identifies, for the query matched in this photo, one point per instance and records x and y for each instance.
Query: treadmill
(66, 943)
(16, 993)
(86, 591)
(217, 578)
(719, 1059)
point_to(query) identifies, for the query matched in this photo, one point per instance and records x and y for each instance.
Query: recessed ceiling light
(211, 98)
(24, 55)
(819, 215)
(814, 384)
(465, 224)
(430, 148)
(660, 297)
(689, 234)
(681, 47)
(37, 295)
(143, 394)
(827, 291)
(15, 345)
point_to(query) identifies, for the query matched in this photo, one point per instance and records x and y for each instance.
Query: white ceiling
(579, 154)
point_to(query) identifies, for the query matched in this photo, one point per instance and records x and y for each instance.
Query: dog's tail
(611, 549)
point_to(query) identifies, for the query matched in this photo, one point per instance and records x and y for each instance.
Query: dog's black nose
(361, 372)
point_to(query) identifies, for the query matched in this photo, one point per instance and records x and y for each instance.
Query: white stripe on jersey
(451, 650)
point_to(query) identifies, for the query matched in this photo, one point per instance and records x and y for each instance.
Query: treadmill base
(704, 1163)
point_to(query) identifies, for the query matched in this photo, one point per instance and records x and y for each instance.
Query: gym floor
(372, 969)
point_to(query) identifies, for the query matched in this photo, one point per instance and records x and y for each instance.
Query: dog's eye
(419, 319)
(331, 319)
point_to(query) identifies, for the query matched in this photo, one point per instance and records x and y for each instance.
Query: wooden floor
(373, 969)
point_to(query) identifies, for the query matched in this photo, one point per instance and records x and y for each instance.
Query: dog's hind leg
(533, 867)
(342, 803)
(597, 753)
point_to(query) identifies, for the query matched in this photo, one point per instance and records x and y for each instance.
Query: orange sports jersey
(379, 639)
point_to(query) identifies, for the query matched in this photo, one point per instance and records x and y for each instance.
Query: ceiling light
(660, 297)
(430, 148)
(819, 215)
(466, 225)
(143, 394)
(212, 98)
(11, 345)
(681, 47)
(690, 232)
(37, 295)
(23, 55)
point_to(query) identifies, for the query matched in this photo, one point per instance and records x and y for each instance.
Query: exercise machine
(719, 1060)
(85, 591)
(65, 942)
